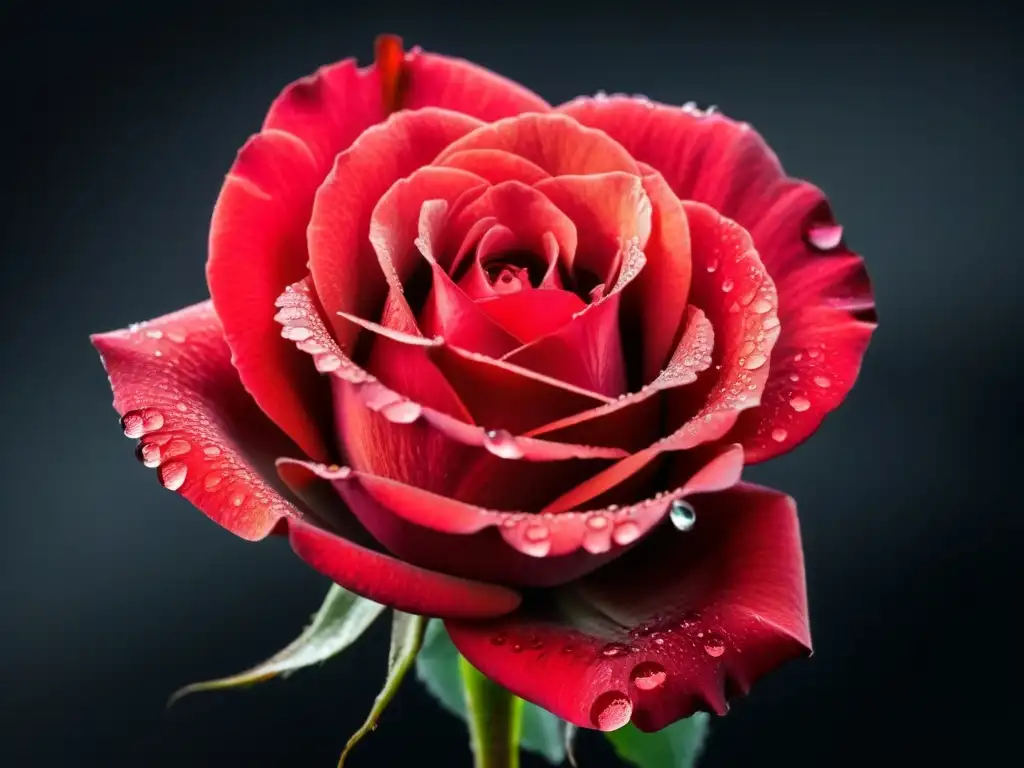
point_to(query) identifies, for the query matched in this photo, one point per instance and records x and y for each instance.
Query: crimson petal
(559, 145)
(671, 628)
(344, 266)
(454, 536)
(726, 164)
(496, 166)
(257, 247)
(178, 393)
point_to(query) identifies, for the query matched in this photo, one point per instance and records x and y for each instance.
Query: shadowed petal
(671, 628)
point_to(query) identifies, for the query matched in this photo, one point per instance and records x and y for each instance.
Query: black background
(119, 122)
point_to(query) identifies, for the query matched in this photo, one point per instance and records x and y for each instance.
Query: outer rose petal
(458, 85)
(496, 166)
(714, 160)
(449, 535)
(257, 247)
(343, 551)
(177, 392)
(673, 627)
(344, 266)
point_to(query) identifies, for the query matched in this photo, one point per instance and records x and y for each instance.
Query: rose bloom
(502, 363)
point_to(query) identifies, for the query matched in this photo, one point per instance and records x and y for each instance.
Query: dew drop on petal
(713, 645)
(402, 412)
(172, 475)
(825, 237)
(597, 522)
(211, 450)
(794, 377)
(498, 640)
(626, 533)
(648, 676)
(212, 480)
(761, 306)
(138, 423)
(799, 404)
(611, 710)
(727, 286)
(682, 515)
(500, 443)
(755, 361)
(296, 332)
(823, 381)
(148, 454)
(779, 435)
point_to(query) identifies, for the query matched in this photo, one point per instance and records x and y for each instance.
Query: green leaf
(437, 667)
(677, 746)
(406, 639)
(342, 618)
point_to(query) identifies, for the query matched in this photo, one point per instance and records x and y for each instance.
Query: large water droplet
(502, 444)
(148, 454)
(626, 532)
(296, 332)
(713, 645)
(597, 522)
(611, 710)
(755, 361)
(825, 237)
(682, 515)
(176, 448)
(138, 423)
(727, 286)
(799, 404)
(211, 450)
(779, 434)
(402, 412)
(823, 381)
(536, 533)
(212, 480)
(648, 676)
(172, 475)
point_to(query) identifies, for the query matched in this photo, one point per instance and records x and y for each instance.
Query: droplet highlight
(682, 515)
(799, 404)
(611, 710)
(501, 443)
(172, 475)
(648, 676)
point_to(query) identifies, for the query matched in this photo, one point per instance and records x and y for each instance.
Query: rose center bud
(503, 274)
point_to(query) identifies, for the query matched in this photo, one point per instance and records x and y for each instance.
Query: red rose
(501, 355)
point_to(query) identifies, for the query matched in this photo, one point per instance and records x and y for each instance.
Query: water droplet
(612, 650)
(567, 649)
(402, 412)
(648, 676)
(155, 334)
(148, 454)
(713, 645)
(761, 306)
(727, 286)
(536, 533)
(212, 480)
(327, 363)
(211, 450)
(500, 443)
(779, 435)
(814, 353)
(182, 407)
(682, 515)
(172, 475)
(611, 710)
(825, 237)
(296, 332)
(138, 423)
(799, 404)
(659, 641)
(712, 265)
(823, 381)
(755, 361)
(597, 522)
(794, 377)
(536, 644)
(517, 648)
(626, 533)
(498, 640)
(176, 448)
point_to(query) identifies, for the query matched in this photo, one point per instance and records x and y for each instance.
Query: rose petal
(394, 229)
(178, 393)
(673, 627)
(557, 144)
(587, 352)
(344, 266)
(726, 164)
(631, 422)
(257, 247)
(609, 210)
(499, 394)
(444, 533)
(496, 166)
(531, 315)
(456, 84)
(422, 433)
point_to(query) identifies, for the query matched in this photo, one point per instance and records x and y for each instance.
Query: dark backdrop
(119, 123)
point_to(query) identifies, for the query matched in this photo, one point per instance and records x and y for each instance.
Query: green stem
(495, 720)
